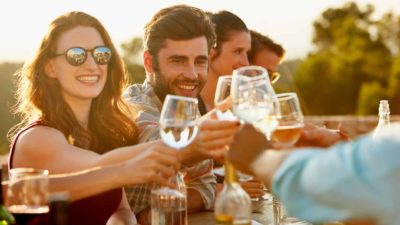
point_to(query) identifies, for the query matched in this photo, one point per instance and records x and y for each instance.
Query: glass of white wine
(178, 121)
(178, 128)
(253, 98)
(290, 120)
(27, 195)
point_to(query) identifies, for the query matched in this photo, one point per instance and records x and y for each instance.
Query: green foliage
(132, 55)
(394, 85)
(7, 100)
(348, 72)
(370, 94)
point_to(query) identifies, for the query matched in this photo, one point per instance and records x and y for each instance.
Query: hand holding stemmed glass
(178, 128)
(287, 133)
(223, 106)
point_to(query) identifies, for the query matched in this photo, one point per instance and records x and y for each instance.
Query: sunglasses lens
(76, 56)
(102, 55)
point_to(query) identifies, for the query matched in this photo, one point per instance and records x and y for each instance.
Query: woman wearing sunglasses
(73, 117)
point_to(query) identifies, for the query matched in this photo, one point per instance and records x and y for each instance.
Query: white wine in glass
(178, 128)
(178, 125)
(290, 120)
(253, 98)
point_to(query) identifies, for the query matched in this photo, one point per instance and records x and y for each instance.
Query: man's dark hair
(260, 42)
(180, 22)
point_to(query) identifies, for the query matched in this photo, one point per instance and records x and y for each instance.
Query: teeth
(187, 87)
(88, 78)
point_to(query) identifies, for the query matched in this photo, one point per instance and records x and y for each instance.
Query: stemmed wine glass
(287, 133)
(253, 98)
(290, 120)
(27, 195)
(178, 128)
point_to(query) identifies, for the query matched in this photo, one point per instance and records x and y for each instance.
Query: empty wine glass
(27, 195)
(290, 120)
(178, 128)
(253, 98)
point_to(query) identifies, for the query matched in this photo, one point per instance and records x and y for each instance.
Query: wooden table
(264, 216)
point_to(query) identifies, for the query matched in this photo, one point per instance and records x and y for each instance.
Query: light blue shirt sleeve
(359, 179)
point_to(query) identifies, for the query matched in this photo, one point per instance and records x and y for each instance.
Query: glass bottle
(384, 116)
(59, 208)
(6, 218)
(233, 205)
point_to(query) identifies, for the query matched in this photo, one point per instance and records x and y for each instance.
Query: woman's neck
(208, 92)
(81, 110)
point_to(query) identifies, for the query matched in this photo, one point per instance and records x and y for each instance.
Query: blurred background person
(266, 53)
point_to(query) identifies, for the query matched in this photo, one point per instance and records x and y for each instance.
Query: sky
(23, 23)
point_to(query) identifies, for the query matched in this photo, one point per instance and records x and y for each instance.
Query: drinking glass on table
(290, 120)
(178, 128)
(27, 195)
(253, 98)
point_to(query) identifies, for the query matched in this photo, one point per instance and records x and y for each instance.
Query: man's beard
(160, 86)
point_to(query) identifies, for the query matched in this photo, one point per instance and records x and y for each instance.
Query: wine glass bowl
(290, 120)
(178, 126)
(253, 98)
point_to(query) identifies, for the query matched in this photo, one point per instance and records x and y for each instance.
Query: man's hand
(212, 140)
(318, 136)
(248, 144)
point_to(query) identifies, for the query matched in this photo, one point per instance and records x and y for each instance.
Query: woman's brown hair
(39, 96)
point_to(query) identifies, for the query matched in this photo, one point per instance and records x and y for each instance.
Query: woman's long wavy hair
(39, 96)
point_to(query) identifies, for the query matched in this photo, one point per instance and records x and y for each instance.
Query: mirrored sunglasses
(76, 56)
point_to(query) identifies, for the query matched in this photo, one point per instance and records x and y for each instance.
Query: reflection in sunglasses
(76, 56)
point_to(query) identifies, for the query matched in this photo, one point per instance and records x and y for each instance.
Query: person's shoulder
(39, 137)
(140, 96)
(133, 91)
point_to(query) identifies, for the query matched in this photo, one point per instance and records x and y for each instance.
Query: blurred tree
(347, 55)
(394, 86)
(7, 100)
(389, 30)
(132, 55)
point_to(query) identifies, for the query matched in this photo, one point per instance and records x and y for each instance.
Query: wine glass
(290, 120)
(178, 128)
(27, 195)
(178, 125)
(253, 98)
